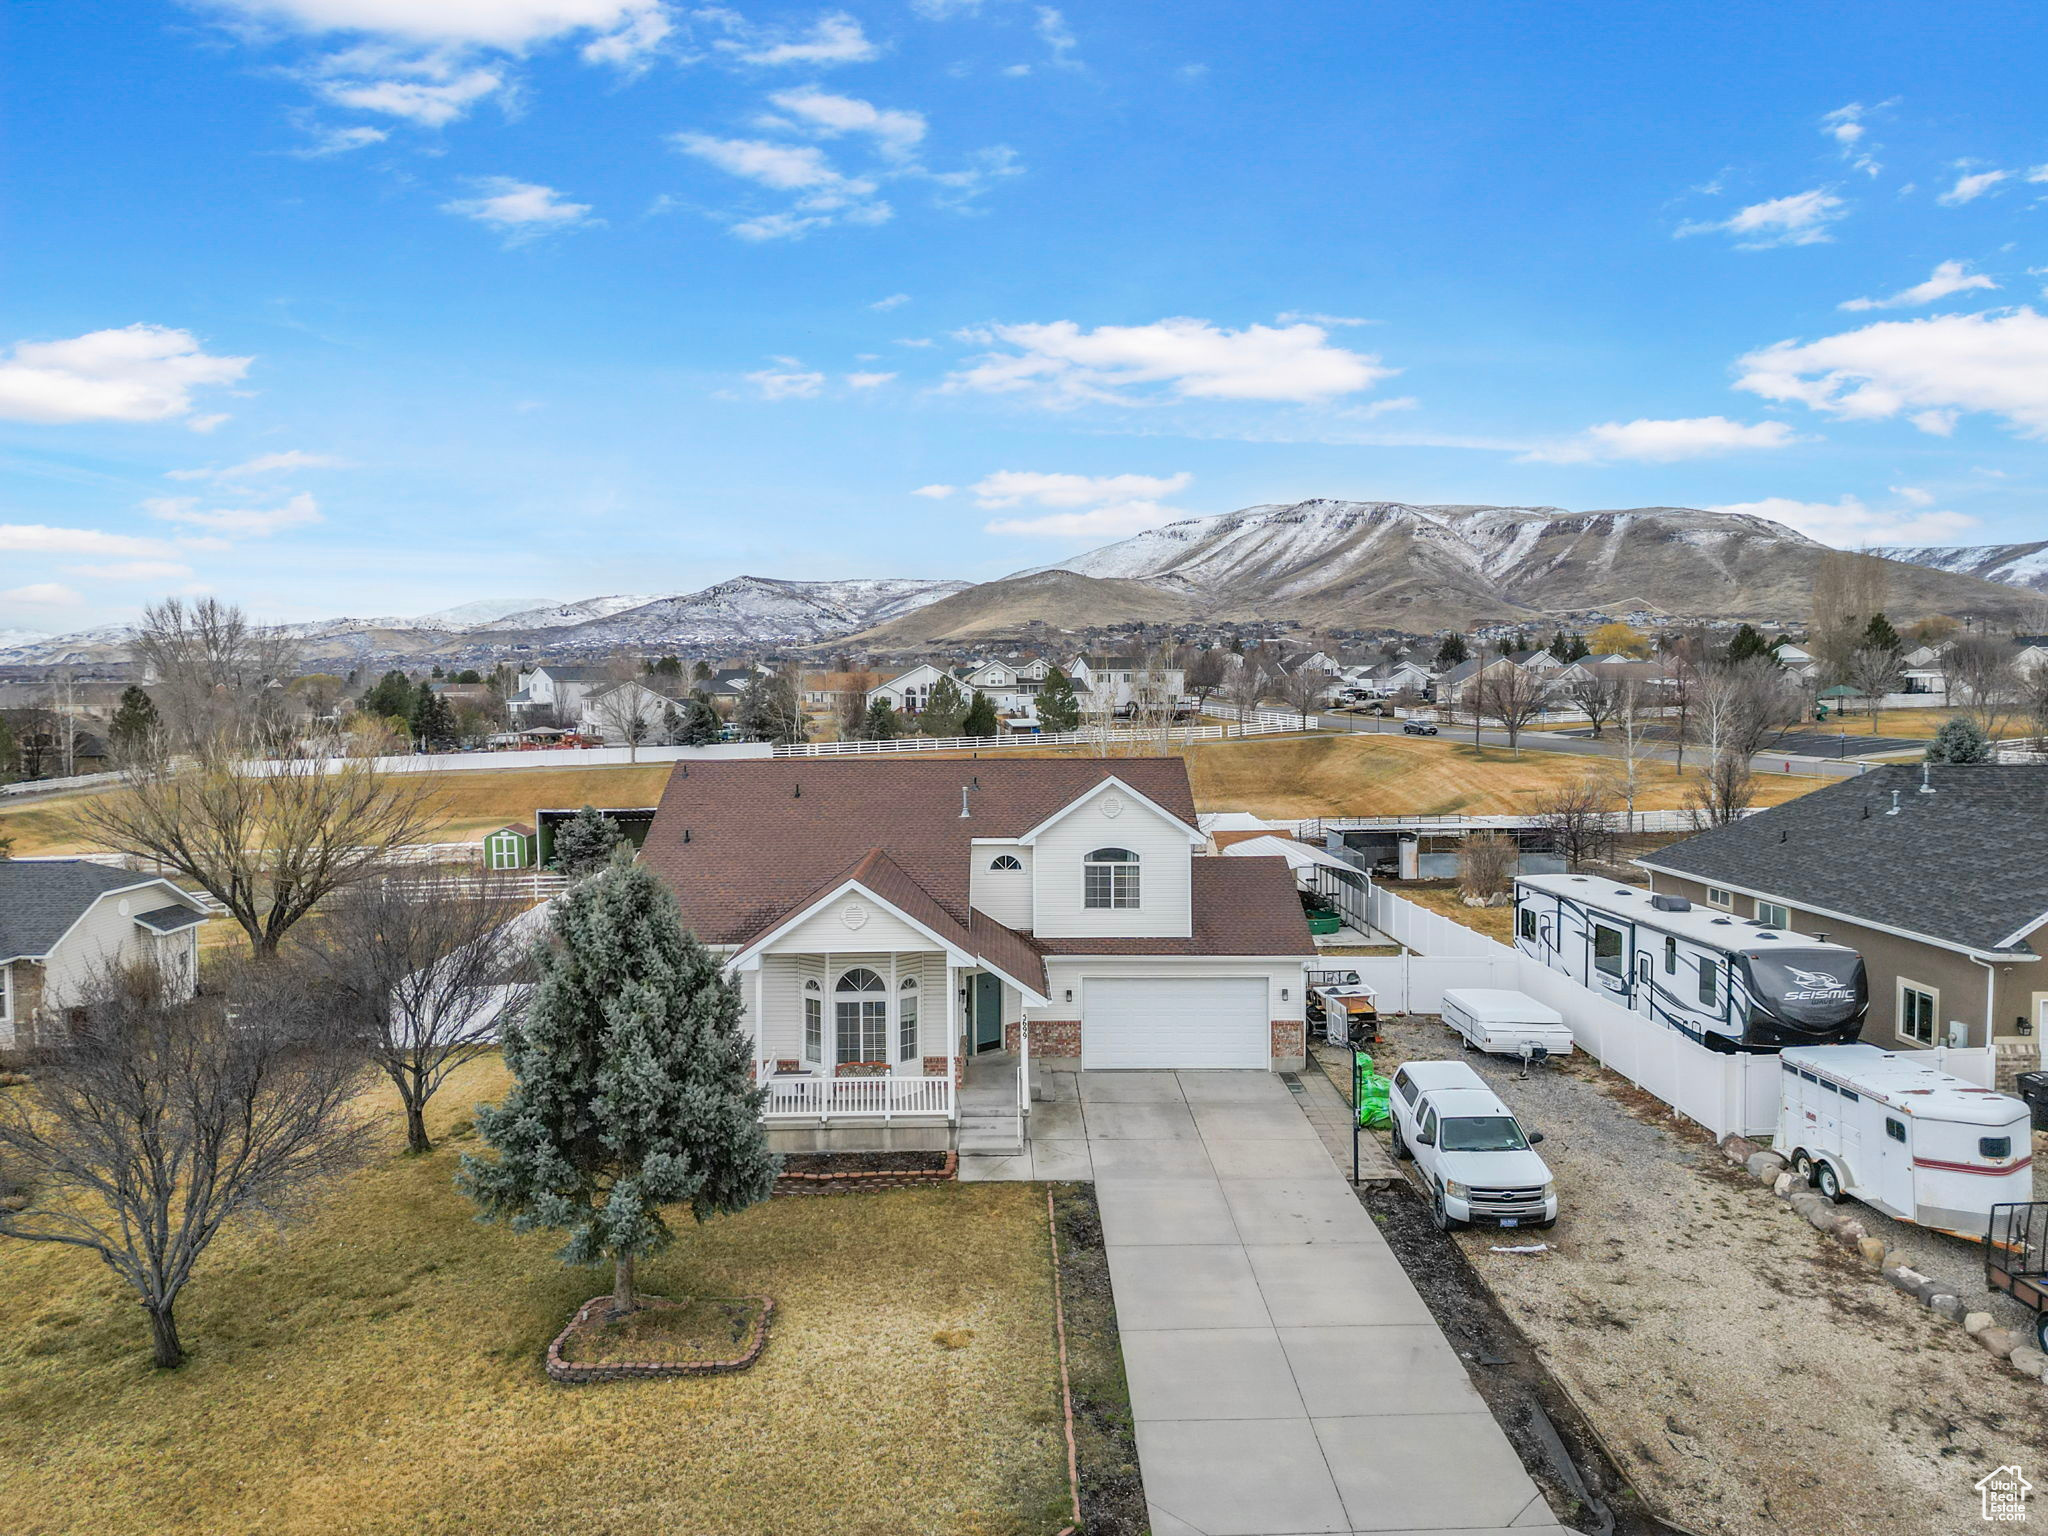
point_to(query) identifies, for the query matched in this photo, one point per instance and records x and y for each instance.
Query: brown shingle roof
(765, 837)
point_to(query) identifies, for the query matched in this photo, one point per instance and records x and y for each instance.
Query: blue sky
(379, 306)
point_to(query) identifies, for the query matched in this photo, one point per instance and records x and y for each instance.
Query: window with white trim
(6, 994)
(1769, 914)
(860, 1017)
(1005, 862)
(1716, 897)
(906, 1020)
(1918, 1006)
(814, 1022)
(1109, 879)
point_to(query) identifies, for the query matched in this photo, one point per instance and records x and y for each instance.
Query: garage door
(1178, 1023)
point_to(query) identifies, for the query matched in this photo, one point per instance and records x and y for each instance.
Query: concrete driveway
(1286, 1378)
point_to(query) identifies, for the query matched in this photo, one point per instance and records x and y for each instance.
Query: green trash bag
(1369, 1090)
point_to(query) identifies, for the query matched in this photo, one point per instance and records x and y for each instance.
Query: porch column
(761, 1061)
(952, 1026)
(1023, 1058)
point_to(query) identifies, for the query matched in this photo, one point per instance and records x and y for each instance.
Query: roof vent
(686, 834)
(1926, 787)
(798, 792)
(1665, 903)
(1895, 804)
(1723, 922)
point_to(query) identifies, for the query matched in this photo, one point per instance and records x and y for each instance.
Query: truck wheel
(1802, 1166)
(1401, 1144)
(1828, 1182)
(1441, 1214)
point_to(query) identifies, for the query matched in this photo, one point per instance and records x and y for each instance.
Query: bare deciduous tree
(1849, 586)
(1596, 695)
(1245, 685)
(1511, 696)
(151, 1123)
(630, 711)
(214, 672)
(1981, 678)
(1723, 791)
(422, 977)
(1742, 707)
(1206, 670)
(268, 839)
(1874, 671)
(1305, 688)
(1579, 816)
(1487, 862)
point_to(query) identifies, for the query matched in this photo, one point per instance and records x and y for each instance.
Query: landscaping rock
(1765, 1166)
(1781, 1186)
(1975, 1323)
(1944, 1305)
(2028, 1361)
(1738, 1149)
(1850, 1230)
(2000, 1341)
(1819, 1214)
(1899, 1277)
(1873, 1251)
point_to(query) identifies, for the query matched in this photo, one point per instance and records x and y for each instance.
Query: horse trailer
(1892, 1130)
(1730, 984)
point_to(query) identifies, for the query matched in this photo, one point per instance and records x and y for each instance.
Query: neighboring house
(607, 712)
(1937, 874)
(908, 692)
(1121, 679)
(63, 920)
(560, 689)
(1921, 671)
(1391, 677)
(890, 918)
(731, 682)
(1456, 685)
(2029, 653)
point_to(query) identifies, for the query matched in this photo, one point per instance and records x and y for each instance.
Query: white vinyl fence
(1142, 736)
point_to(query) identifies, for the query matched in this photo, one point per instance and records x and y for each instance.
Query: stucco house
(893, 921)
(63, 920)
(1937, 874)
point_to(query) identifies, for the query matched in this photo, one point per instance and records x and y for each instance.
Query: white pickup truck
(1475, 1159)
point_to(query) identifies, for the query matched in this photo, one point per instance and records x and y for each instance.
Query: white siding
(782, 979)
(827, 930)
(104, 935)
(1163, 850)
(1004, 895)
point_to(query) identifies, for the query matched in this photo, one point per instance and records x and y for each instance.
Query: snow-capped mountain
(756, 610)
(548, 615)
(2011, 565)
(485, 610)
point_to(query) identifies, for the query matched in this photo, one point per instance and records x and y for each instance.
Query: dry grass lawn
(378, 1369)
(474, 801)
(1372, 775)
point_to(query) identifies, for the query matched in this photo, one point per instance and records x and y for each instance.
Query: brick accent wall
(1049, 1037)
(1288, 1038)
(935, 1066)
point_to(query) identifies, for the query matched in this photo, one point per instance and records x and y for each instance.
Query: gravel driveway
(1751, 1376)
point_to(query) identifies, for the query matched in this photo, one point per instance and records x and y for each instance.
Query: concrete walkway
(1286, 1378)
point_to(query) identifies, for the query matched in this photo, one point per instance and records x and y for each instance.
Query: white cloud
(1971, 186)
(37, 539)
(1054, 32)
(1664, 442)
(133, 570)
(1912, 494)
(247, 522)
(894, 301)
(136, 373)
(340, 141)
(1949, 277)
(1193, 359)
(431, 103)
(913, 341)
(290, 460)
(507, 24)
(896, 133)
(943, 10)
(1801, 219)
(868, 380)
(1289, 316)
(825, 195)
(519, 210)
(1848, 523)
(1928, 370)
(835, 38)
(41, 594)
(786, 383)
(1088, 506)
(935, 492)
(1846, 126)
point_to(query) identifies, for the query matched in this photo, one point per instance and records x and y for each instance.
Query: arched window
(1109, 879)
(814, 1022)
(906, 1020)
(860, 1017)
(1006, 861)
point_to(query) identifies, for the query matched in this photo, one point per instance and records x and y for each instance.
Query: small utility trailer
(2016, 1258)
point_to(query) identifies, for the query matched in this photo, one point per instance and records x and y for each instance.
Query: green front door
(988, 1013)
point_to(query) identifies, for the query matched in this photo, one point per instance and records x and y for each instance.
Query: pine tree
(880, 723)
(1560, 647)
(431, 720)
(633, 1086)
(980, 719)
(585, 841)
(390, 698)
(1453, 652)
(672, 724)
(1878, 635)
(135, 721)
(944, 709)
(1579, 650)
(700, 724)
(1959, 740)
(1746, 643)
(1058, 709)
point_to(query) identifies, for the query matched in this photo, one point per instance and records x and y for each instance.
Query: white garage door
(1179, 1023)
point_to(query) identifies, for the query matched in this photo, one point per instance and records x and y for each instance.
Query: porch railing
(856, 1098)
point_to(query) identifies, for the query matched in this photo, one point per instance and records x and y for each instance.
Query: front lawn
(378, 1369)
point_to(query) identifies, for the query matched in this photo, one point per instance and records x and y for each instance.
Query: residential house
(1454, 688)
(908, 692)
(1921, 672)
(2030, 652)
(1936, 873)
(611, 712)
(62, 921)
(1122, 680)
(731, 682)
(556, 690)
(890, 921)
(1388, 678)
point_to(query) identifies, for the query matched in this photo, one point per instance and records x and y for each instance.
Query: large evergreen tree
(700, 723)
(432, 721)
(391, 697)
(1960, 740)
(1058, 709)
(981, 719)
(633, 1086)
(880, 722)
(1747, 643)
(585, 841)
(1878, 635)
(135, 721)
(1453, 652)
(945, 709)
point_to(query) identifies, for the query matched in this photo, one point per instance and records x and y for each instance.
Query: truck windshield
(1483, 1133)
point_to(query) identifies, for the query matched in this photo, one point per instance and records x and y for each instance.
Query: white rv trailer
(1889, 1129)
(1730, 984)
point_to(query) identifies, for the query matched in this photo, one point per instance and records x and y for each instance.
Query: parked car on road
(1476, 1161)
(1417, 728)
